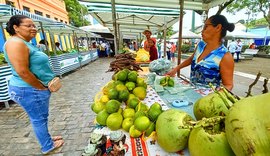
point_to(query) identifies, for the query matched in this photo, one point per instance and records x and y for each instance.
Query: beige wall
(54, 8)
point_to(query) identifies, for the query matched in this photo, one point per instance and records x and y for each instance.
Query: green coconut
(173, 128)
(248, 126)
(210, 106)
(208, 138)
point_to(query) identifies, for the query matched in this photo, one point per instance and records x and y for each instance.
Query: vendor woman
(211, 62)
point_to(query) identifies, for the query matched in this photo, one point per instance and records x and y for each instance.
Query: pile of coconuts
(225, 126)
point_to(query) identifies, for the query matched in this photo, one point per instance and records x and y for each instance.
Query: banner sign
(68, 62)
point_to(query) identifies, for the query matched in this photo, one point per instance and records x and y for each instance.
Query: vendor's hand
(172, 72)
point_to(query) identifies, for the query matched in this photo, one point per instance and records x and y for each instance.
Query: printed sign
(68, 62)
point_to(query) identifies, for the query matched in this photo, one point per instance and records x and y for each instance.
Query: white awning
(242, 35)
(134, 16)
(186, 34)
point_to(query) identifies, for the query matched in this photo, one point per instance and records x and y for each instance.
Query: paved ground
(70, 114)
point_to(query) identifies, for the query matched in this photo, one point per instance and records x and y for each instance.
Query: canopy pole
(164, 37)
(180, 34)
(44, 37)
(114, 27)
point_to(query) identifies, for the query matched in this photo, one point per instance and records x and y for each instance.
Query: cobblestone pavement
(70, 114)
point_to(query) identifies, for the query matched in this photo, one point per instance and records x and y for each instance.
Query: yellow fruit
(109, 86)
(127, 123)
(131, 96)
(140, 92)
(142, 123)
(140, 81)
(112, 106)
(128, 113)
(104, 99)
(120, 87)
(133, 132)
(114, 121)
(113, 94)
(141, 107)
(97, 107)
(102, 117)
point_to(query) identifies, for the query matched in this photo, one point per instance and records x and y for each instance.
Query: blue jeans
(36, 104)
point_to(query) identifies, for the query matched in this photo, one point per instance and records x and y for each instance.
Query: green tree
(76, 13)
(253, 7)
(169, 33)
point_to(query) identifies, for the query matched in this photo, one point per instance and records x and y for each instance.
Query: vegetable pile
(124, 61)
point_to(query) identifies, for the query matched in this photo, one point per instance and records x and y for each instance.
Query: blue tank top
(38, 64)
(207, 70)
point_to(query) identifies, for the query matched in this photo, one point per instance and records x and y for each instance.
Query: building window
(56, 18)
(8, 2)
(66, 22)
(61, 21)
(48, 16)
(26, 9)
(38, 13)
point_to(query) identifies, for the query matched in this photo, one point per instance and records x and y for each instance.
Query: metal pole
(2, 29)
(44, 37)
(180, 34)
(164, 37)
(114, 27)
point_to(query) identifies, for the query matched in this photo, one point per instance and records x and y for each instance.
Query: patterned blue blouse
(207, 70)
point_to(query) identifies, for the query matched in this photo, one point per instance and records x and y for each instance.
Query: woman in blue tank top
(31, 74)
(211, 62)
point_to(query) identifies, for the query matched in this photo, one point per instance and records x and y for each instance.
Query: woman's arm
(187, 62)
(226, 71)
(18, 54)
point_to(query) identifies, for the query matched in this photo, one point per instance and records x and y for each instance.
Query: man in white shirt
(238, 49)
(232, 47)
(168, 50)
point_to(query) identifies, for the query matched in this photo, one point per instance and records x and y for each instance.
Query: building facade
(53, 9)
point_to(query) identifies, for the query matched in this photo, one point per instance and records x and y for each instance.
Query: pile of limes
(126, 90)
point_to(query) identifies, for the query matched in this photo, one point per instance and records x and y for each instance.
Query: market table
(144, 147)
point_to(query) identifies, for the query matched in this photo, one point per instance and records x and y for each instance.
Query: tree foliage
(169, 33)
(253, 7)
(76, 13)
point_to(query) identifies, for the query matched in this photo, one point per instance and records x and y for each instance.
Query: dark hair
(220, 19)
(14, 20)
(43, 42)
(57, 43)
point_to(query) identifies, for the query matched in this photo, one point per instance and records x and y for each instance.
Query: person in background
(42, 45)
(252, 46)
(173, 50)
(211, 62)
(31, 73)
(168, 50)
(238, 49)
(159, 49)
(147, 34)
(153, 50)
(232, 47)
(135, 46)
(58, 47)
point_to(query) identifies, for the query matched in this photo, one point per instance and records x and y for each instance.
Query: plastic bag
(160, 66)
